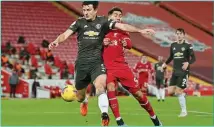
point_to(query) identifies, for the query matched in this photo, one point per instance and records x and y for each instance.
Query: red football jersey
(113, 54)
(144, 70)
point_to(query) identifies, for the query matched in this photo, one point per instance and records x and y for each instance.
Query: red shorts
(124, 76)
(142, 82)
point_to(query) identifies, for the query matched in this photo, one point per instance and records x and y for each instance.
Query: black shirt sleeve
(75, 26)
(191, 54)
(109, 23)
(170, 58)
(155, 66)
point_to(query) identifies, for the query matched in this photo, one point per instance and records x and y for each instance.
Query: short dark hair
(94, 3)
(180, 30)
(114, 9)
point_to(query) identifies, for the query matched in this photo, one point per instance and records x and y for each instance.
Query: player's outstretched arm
(130, 28)
(61, 38)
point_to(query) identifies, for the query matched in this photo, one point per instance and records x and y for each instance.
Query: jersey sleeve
(75, 26)
(191, 54)
(135, 68)
(155, 67)
(170, 58)
(151, 68)
(109, 23)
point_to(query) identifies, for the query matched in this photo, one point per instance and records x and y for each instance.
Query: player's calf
(144, 103)
(100, 85)
(114, 103)
(80, 95)
(182, 101)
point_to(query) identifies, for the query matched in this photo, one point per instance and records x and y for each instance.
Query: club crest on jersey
(98, 26)
(182, 48)
(115, 34)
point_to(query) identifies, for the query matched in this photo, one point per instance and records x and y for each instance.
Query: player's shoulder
(80, 19)
(102, 18)
(187, 43)
(174, 43)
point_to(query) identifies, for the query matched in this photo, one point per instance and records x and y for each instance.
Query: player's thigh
(126, 78)
(98, 77)
(182, 81)
(81, 78)
(173, 80)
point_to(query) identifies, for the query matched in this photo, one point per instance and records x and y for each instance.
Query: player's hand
(148, 32)
(163, 66)
(124, 43)
(106, 41)
(185, 65)
(52, 45)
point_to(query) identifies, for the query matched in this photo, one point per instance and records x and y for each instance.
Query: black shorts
(159, 82)
(179, 81)
(84, 76)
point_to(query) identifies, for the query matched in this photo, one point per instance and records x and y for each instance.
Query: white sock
(86, 100)
(182, 102)
(153, 117)
(157, 94)
(103, 102)
(118, 118)
(162, 92)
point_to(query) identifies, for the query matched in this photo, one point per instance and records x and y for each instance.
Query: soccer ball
(69, 93)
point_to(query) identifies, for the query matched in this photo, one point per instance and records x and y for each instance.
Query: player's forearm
(61, 38)
(192, 59)
(169, 59)
(126, 27)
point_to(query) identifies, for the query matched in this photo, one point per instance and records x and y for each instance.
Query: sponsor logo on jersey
(178, 54)
(91, 33)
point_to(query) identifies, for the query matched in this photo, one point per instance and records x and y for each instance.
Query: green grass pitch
(56, 112)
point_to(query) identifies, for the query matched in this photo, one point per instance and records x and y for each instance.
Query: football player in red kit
(115, 42)
(143, 69)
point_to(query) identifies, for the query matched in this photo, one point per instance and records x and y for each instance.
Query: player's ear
(95, 10)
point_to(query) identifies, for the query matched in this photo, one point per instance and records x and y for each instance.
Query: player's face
(144, 59)
(89, 12)
(160, 58)
(180, 36)
(116, 16)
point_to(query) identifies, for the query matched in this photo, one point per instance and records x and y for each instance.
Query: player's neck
(143, 62)
(90, 20)
(94, 18)
(181, 41)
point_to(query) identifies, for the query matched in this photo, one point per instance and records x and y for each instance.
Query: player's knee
(100, 89)
(171, 90)
(135, 92)
(111, 86)
(178, 91)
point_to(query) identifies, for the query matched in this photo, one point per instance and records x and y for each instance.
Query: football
(69, 93)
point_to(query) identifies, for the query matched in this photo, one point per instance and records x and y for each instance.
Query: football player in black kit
(182, 54)
(89, 68)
